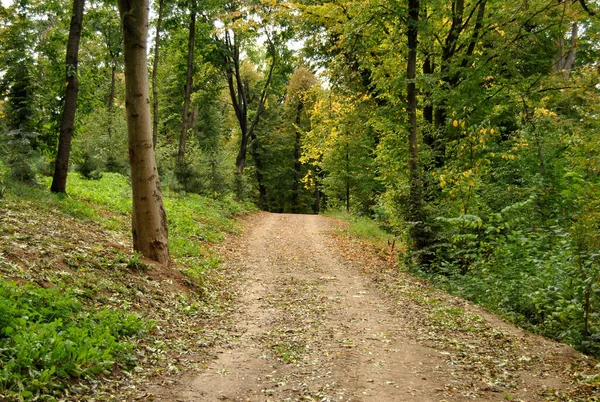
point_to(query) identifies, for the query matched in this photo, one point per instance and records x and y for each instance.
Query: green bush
(23, 161)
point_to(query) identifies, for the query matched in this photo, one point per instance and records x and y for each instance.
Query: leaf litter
(322, 316)
(299, 311)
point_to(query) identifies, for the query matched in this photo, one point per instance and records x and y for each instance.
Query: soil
(321, 317)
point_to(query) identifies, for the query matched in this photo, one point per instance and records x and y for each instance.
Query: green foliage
(23, 160)
(531, 264)
(195, 219)
(46, 337)
(112, 192)
(97, 149)
(339, 148)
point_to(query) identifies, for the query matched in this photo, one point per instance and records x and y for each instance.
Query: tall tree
(187, 116)
(161, 6)
(239, 91)
(61, 168)
(297, 105)
(149, 220)
(416, 214)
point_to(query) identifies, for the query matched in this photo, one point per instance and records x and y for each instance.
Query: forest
(465, 129)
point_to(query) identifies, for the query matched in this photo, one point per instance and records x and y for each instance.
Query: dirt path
(312, 325)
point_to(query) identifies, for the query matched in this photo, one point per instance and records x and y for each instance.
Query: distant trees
(298, 103)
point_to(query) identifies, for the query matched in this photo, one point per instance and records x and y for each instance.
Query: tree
(61, 168)
(416, 215)
(297, 105)
(161, 7)
(187, 118)
(338, 150)
(239, 91)
(149, 220)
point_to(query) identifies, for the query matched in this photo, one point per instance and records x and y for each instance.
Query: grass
(193, 220)
(76, 303)
(363, 228)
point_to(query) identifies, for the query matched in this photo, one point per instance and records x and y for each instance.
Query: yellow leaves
(443, 181)
(543, 112)
(459, 182)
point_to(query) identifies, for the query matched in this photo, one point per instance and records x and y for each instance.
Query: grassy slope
(80, 311)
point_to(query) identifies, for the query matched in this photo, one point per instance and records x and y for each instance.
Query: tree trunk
(149, 220)
(239, 94)
(61, 168)
(185, 126)
(565, 61)
(262, 189)
(297, 164)
(415, 213)
(111, 97)
(347, 177)
(154, 73)
(317, 206)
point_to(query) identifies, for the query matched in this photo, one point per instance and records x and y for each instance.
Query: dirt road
(311, 324)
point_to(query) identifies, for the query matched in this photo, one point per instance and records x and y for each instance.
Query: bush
(22, 160)
(89, 166)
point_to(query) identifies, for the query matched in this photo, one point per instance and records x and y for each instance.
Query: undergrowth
(75, 304)
(47, 337)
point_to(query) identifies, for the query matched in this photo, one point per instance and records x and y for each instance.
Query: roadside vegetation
(80, 311)
(550, 290)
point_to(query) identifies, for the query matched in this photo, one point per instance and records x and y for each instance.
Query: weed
(135, 262)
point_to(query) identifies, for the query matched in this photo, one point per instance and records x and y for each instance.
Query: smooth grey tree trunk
(149, 220)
